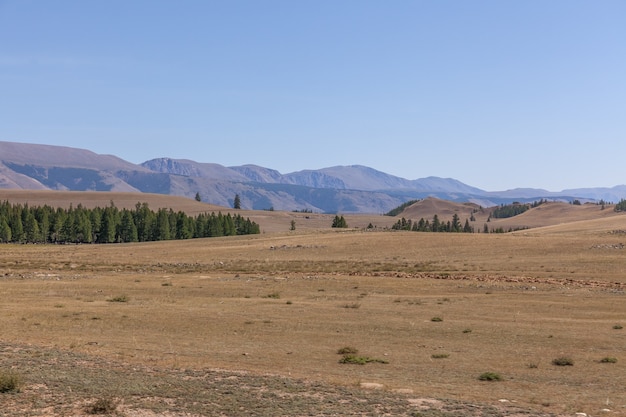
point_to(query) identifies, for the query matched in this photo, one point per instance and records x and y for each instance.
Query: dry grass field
(252, 325)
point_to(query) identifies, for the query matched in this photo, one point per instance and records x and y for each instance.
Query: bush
(348, 350)
(563, 361)
(490, 376)
(273, 295)
(608, 360)
(439, 355)
(436, 319)
(10, 381)
(618, 327)
(360, 360)
(118, 299)
(102, 406)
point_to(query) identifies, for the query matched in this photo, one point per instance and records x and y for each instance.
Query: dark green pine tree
(456, 223)
(216, 228)
(145, 220)
(183, 230)
(229, 225)
(127, 230)
(162, 229)
(31, 227)
(16, 225)
(436, 224)
(5, 231)
(82, 226)
(237, 202)
(108, 227)
(42, 215)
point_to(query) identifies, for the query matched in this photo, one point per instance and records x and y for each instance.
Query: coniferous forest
(44, 224)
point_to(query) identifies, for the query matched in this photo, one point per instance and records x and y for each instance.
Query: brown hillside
(91, 199)
(430, 206)
(554, 213)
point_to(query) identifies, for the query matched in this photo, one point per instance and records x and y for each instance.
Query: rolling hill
(550, 217)
(340, 189)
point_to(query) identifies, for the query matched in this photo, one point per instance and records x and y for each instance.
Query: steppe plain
(251, 325)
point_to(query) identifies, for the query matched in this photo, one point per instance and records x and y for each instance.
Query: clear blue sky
(497, 94)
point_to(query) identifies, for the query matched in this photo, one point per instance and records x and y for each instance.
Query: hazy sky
(497, 94)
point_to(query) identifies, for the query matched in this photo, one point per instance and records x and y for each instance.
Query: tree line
(621, 206)
(512, 210)
(44, 224)
(436, 225)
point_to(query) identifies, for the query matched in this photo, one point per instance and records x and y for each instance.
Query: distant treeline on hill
(435, 226)
(44, 224)
(512, 210)
(621, 206)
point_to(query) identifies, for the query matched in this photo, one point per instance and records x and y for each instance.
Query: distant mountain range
(344, 189)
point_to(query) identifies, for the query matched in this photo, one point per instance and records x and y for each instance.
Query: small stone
(371, 385)
(403, 390)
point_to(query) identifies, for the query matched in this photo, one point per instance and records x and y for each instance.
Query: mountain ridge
(348, 189)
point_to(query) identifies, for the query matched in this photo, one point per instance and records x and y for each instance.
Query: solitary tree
(198, 198)
(293, 225)
(237, 202)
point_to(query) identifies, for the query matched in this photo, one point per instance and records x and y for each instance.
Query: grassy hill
(554, 214)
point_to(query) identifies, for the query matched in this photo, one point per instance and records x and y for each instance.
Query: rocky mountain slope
(346, 189)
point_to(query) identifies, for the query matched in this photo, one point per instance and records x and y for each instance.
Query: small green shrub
(533, 365)
(353, 305)
(608, 360)
(618, 327)
(563, 361)
(467, 331)
(10, 381)
(166, 284)
(440, 355)
(360, 360)
(273, 295)
(347, 350)
(118, 299)
(436, 319)
(490, 376)
(102, 406)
